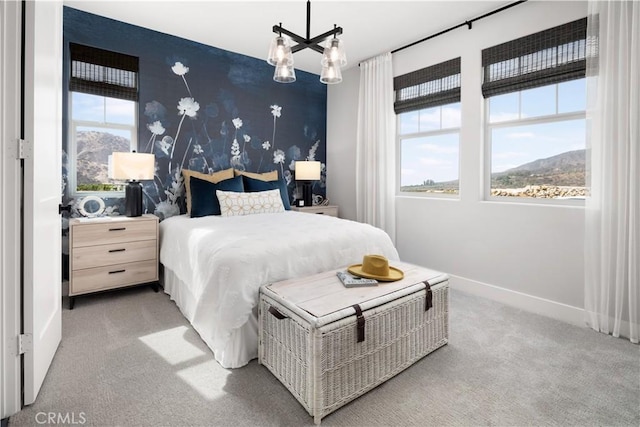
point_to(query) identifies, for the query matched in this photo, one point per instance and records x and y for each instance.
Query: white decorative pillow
(236, 204)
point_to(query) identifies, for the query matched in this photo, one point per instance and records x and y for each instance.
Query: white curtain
(612, 235)
(375, 148)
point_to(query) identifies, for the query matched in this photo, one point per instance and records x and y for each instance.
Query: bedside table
(112, 252)
(330, 210)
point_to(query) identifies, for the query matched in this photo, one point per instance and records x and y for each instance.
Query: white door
(42, 301)
(10, 219)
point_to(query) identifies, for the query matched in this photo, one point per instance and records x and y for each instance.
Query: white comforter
(224, 260)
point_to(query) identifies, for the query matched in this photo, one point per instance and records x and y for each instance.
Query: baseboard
(530, 303)
(625, 326)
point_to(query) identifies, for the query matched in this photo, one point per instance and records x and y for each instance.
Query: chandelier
(281, 52)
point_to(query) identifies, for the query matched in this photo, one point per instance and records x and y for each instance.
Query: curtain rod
(468, 23)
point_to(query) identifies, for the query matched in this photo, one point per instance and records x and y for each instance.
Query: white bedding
(217, 265)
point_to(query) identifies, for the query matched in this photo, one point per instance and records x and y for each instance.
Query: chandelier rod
(308, 19)
(308, 42)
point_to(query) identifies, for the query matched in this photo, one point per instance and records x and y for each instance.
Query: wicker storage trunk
(313, 341)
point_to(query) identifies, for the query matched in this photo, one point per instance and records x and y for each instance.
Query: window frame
(527, 121)
(72, 154)
(419, 134)
(548, 57)
(435, 86)
(106, 74)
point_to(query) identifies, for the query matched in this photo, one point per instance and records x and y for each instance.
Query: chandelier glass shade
(281, 52)
(284, 73)
(334, 52)
(331, 73)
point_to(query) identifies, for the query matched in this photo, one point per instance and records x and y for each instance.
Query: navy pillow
(203, 194)
(251, 185)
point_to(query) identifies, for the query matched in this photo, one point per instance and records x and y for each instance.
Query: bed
(215, 265)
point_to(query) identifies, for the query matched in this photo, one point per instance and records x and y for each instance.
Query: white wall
(342, 117)
(529, 256)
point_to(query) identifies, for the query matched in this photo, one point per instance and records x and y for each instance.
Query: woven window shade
(428, 87)
(551, 56)
(101, 72)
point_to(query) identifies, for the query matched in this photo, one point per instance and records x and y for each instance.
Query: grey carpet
(129, 358)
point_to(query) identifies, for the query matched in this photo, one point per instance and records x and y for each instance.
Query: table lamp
(133, 168)
(307, 172)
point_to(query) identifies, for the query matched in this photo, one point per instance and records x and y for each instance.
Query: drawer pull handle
(320, 213)
(117, 271)
(117, 250)
(118, 229)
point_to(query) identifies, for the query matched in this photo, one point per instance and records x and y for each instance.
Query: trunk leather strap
(428, 301)
(276, 313)
(360, 324)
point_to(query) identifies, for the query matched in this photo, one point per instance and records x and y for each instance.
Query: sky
(436, 156)
(101, 109)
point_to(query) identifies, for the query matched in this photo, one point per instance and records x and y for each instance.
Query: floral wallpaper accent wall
(207, 109)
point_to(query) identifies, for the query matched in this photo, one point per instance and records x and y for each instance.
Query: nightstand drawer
(113, 276)
(116, 253)
(113, 232)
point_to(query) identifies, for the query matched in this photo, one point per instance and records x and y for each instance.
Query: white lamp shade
(331, 73)
(307, 171)
(131, 166)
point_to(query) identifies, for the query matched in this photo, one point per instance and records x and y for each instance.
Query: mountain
(559, 162)
(94, 149)
(564, 169)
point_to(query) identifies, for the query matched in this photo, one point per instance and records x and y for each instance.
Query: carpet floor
(129, 358)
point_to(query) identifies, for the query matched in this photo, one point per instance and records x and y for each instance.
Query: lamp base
(133, 199)
(307, 193)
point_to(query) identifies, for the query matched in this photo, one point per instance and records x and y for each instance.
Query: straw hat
(376, 267)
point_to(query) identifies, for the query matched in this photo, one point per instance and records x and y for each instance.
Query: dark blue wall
(237, 98)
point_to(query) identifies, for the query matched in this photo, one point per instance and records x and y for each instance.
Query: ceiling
(369, 27)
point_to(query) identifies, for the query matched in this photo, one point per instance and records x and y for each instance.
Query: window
(428, 113)
(103, 98)
(535, 115)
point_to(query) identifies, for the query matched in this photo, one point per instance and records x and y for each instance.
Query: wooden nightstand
(112, 252)
(330, 210)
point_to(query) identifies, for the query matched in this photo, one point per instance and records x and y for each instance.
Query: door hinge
(25, 343)
(24, 149)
